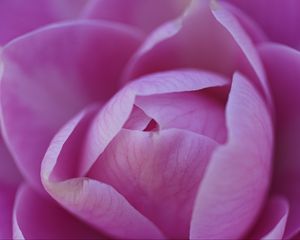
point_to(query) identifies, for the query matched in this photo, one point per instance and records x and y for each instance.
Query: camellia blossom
(142, 119)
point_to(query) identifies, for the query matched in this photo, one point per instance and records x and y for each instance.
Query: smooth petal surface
(251, 26)
(95, 202)
(194, 111)
(7, 194)
(145, 15)
(158, 173)
(272, 222)
(282, 66)
(109, 121)
(20, 17)
(9, 174)
(217, 44)
(279, 19)
(37, 217)
(53, 73)
(237, 177)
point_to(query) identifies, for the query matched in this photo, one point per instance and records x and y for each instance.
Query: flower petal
(246, 45)
(50, 75)
(279, 19)
(194, 111)
(95, 202)
(272, 223)
(145, 15)
(252, 28)
(158, 173)
(282, 66)
(112, 117)
(9, 174)
(237, 177)
(39, 217)
(217, 44)
(20, 17)
(7, 194)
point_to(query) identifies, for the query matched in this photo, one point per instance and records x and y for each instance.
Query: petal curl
(95, 202)
(145, 15)
(50, 75)
(237, 177)
(40, 217)
(282, 67)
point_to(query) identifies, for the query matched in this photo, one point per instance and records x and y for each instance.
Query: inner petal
(158, 173)
(193, 111)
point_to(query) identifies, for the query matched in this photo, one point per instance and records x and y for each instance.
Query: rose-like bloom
(142, 119)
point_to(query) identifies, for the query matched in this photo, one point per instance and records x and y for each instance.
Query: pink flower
(142, 119)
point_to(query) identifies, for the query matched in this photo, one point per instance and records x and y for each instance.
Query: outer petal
(20, 17)
(236, 180)
(158, 173)
(145, 15)
(37, 217)
(271, 224)
(282, 66)
(279, 19)
(97, 203)
(7, 194)
(9, 173)
(218, 44)
(52, 74)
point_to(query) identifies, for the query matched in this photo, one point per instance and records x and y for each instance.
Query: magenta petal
(158, 173)
(252, 28)
(272, 222)
(217, 44)
(279, 19)
(39, 217)
(95, 202)
(282, 66)
(20, 17)
(194, 111)
(7, 195)
(50, 75)
(237, 177)
(145, 15)
(109, 121)
(9, 173)
(244, 42)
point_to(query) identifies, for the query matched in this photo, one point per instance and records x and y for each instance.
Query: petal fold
(97, 203)
(237, 177)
